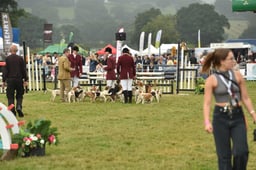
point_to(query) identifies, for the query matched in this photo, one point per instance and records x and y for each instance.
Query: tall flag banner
(158, 38)
(47, 33)
(199, 38)
(7, 32)
(70, 38)
(141, 45)
(149, 43)
(119, 42)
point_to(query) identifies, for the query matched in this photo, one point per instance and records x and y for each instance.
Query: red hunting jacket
(110, 68)
(77, 64)
(126, 67)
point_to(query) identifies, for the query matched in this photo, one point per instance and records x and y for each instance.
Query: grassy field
(114, 136)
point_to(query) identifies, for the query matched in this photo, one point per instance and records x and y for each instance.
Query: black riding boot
(13, 111)
(19, 107)
(130, 96)
(125, 96)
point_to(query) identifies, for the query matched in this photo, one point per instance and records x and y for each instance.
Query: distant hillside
(90, 15)
(237, 27)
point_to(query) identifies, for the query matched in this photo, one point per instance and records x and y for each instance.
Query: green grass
(114, 136)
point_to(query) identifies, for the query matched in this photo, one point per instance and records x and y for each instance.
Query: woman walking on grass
(229, 124)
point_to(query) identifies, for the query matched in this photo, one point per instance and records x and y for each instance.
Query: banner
(141, 45)
(7, 32)
(47, 33)
(149, 43)
(70, 38)
(243, 5)
(199, 38)
(251, 71)
(158, 38)
(119, 43)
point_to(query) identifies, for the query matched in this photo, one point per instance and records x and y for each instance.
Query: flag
(7, 32)
(158, 38)
(142, 35)
(199, 39)
(47, 33)
(119, 42)
(71, 34)
(149, 43)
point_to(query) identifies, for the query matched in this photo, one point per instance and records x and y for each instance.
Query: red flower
(51, 138)
(38, 136)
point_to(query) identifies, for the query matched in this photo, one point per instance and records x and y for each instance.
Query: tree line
(92, 30)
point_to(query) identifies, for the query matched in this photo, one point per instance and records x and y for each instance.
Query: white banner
(199, 38)
(141, 45)
(7, 32)
(251, 71)
(119, 46)
(149, 43)
(158, 38)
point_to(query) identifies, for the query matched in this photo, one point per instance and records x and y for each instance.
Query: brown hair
(214, 58)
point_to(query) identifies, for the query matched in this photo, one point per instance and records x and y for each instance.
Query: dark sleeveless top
(221, 91)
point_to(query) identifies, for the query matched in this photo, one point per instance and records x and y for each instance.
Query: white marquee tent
(152, 50)
(165, 47)
(132, 51)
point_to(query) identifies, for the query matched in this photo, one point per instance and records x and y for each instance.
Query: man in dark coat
(127, 72)
(15, 75)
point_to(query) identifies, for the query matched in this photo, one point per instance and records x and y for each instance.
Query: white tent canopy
(152, 50)
(132, 51)
(165, 47)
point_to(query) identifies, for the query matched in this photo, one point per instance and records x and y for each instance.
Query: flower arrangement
(35, 136)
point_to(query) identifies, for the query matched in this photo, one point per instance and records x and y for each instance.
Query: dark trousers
(15, 85)
(230, 137)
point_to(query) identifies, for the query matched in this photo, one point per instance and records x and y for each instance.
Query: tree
(201, 16)
(167, 24)
(97, 26)
(11, 7)
(140, 21)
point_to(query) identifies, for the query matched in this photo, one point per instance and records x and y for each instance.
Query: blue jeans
(230, 137)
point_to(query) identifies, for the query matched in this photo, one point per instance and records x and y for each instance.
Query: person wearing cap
(76, 63)
(127, 72)
(64, 71)
(15, 75)
(110, 68)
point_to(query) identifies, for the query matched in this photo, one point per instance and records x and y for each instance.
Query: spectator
(93, 65)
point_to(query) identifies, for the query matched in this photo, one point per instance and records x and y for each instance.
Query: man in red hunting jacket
(127, 72)
(110, 68)
(76, 63)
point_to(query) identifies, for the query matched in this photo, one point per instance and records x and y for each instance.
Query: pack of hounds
(143, 93)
